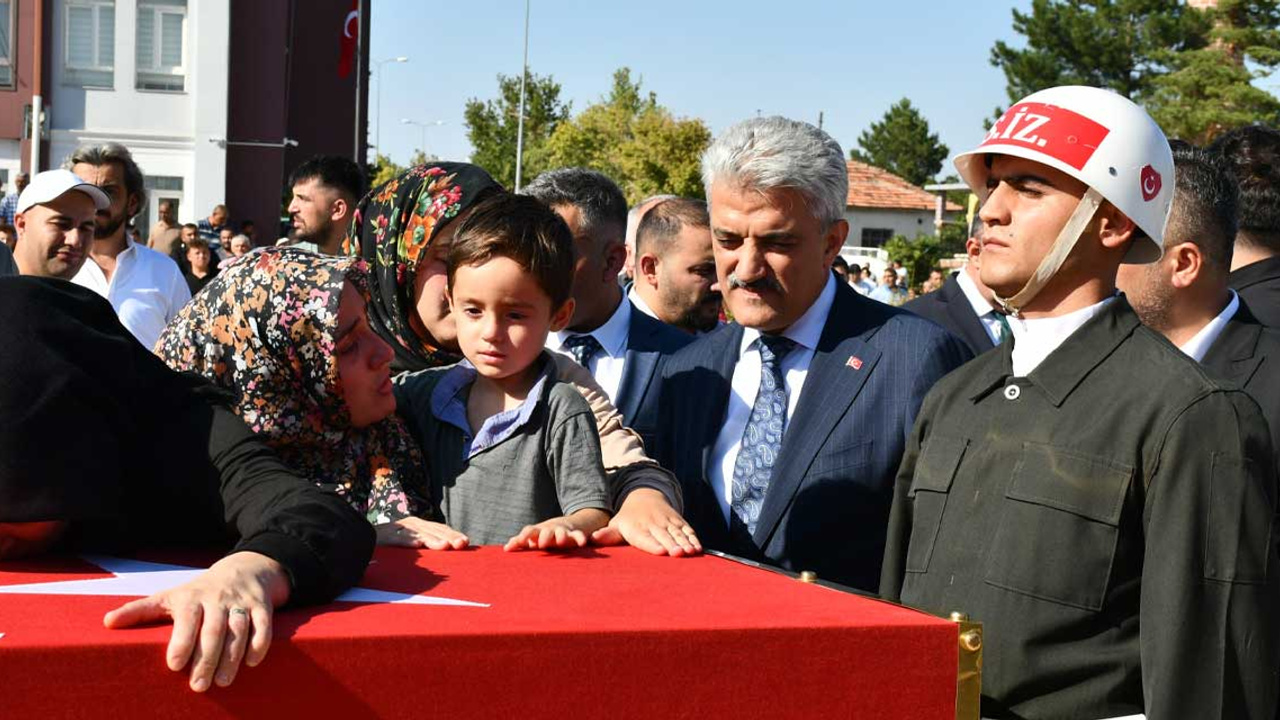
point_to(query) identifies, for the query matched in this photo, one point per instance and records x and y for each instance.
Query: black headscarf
(79, 397)
(392, 228)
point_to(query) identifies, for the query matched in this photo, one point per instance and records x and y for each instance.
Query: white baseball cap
(53, 184)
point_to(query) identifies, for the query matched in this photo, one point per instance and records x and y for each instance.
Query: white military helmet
(1098, 137)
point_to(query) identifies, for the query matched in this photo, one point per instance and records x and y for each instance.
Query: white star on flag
(141, 579)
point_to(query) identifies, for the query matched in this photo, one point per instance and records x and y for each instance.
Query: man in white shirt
(622, 347)
(145, 287)
(785, 427)
(675, 274)
(1186, 294)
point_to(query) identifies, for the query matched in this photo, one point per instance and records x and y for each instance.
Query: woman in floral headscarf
(286, 332)
(403, 230)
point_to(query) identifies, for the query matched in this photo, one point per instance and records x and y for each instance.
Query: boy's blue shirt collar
(449, 404)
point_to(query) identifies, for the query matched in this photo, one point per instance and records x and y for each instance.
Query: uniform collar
(1066, 367)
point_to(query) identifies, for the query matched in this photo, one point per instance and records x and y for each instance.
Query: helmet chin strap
(1057, 254)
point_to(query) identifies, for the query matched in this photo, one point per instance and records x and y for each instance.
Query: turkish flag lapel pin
(854, 362)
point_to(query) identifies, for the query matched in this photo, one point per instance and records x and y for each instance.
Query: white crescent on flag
(346, 24)
(141, 579)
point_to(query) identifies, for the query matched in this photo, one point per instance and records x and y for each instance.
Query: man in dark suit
(621, 346)
(675, 270)
(963, 304)
(1185, 296)
(1253, 155)
(786, 427)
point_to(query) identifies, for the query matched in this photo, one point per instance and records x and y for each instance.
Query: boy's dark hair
(1253, 155)
(523, 229)
(664, 221)
(340, 173)
(198, 243)
(840, 262)
(1204, 206)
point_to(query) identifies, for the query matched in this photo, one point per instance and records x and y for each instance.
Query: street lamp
(422, 146)
(377, 129)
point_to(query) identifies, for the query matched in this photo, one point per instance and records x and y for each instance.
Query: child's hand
(554, 534)
(416, 532)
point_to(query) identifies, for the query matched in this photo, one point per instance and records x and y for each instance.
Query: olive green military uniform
(1108, 518)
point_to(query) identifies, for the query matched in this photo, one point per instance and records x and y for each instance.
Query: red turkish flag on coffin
(599, 632)
(349, 39)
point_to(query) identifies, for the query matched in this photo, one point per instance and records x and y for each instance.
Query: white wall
(167, 132)
(902, 222)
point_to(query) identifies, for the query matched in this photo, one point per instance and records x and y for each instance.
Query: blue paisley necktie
(762, 438)
(582, 347)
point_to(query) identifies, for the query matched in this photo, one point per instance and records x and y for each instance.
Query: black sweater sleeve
(321, 542)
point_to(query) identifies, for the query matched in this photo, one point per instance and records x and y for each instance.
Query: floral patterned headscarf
(391, 229)
(264, 329)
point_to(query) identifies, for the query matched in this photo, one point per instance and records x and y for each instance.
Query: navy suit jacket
(649, 342)
(827, 506)
(949, 307)
(1247, 353)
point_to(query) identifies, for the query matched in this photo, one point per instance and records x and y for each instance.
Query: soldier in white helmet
(1087, 491)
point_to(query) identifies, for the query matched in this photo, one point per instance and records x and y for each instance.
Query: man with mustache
(54, 222)
(675, 271)
(145, 287)
(785, 428)
(1086, 490)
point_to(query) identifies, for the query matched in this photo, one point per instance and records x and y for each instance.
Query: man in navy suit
(621, 346)
(963, 304)
(1186, 297)
(786, 428)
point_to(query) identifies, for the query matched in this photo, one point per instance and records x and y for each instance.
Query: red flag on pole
(350, 37)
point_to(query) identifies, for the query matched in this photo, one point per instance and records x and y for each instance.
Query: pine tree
(1211, 89)
(902, 144)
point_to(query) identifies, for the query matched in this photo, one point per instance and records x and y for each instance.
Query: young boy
(514, 453)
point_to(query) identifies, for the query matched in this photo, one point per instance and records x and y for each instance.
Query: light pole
(422, 146)
(377, 129)
(524, 73)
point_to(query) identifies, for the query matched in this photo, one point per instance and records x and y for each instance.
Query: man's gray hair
(104, 153)
(774, 152)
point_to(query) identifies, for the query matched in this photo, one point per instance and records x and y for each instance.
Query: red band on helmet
(1055, 131)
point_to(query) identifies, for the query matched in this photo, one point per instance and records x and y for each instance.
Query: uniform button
(1012, 392)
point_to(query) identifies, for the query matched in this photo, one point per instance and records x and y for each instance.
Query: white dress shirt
(640, 304)
(1035, 340)
(806, 332)
(983, 309)
(605, 367)
(147, 290)
(1200, 343)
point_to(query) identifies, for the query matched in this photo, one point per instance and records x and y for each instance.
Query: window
(159, 188)
(161, 48)
(90, 42)
(875, 237)
(6, 44)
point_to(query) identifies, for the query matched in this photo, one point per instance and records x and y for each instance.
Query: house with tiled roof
(881, 205)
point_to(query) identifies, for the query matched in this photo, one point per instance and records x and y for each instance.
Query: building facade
(217, 99)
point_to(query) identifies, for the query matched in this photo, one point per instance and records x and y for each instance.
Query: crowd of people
(1070, 439)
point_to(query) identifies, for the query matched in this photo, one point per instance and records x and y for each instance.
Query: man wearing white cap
(54, 220)
(1086, 491)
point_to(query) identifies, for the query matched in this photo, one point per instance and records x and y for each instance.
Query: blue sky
(719, 60)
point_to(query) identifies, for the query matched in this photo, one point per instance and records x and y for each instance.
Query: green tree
(1117, 44)
(902, 144)
(492, 126)
(381, 170)
(922, 255)
(1210, 90)
(635, 141)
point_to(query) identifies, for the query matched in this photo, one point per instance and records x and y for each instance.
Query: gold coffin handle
(969, 670)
